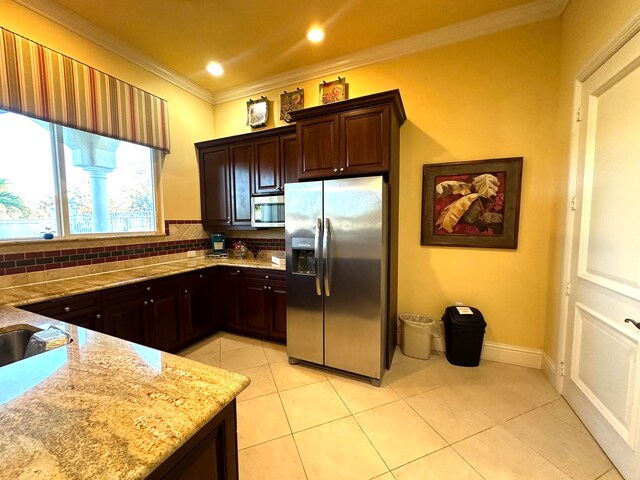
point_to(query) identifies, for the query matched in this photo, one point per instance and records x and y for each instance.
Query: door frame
(555, 371)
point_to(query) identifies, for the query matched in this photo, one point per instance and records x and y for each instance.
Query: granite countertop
(101, 407)
(39, 292)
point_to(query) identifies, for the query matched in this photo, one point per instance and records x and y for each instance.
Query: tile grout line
(304, 470)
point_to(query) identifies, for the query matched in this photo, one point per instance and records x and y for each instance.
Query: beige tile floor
(428, 420)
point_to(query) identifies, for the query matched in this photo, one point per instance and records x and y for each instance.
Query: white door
(602, 374)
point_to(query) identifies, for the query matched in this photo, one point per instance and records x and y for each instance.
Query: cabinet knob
(237, 271)
(265, 287)
(151, 301)
(146, 303)
(269, 288)
(148, 289)
(200, 276)
(67, 309)
(186, 291)
(335, 169)
(342, 169)
(228, 220)
(98, 316)
(266, 276)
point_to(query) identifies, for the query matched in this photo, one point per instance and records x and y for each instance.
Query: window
(70, 182)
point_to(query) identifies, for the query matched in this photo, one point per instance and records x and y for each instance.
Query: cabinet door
(126, 319)
(231, 298)
(278, 307)
(255, 311)
(365, 140)
(197, 305)
(318, 147)
(289, 157)
(215, 187)
(164, 316)
(267, 171)
(241, 157)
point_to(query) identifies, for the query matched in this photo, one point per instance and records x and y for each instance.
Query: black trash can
(463, 334)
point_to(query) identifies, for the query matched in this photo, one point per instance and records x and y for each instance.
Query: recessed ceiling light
(315, 35)
(215, 69)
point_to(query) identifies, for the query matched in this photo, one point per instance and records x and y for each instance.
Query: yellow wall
(586, 28)
(191, 119)
(486, 98)
(507, 94)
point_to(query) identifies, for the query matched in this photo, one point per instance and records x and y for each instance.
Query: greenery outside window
(68, 182)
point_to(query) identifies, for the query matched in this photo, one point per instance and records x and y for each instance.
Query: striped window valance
(42, 83)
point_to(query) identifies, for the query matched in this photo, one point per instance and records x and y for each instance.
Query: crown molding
(531, 12)
(626, 33)
(88, 30)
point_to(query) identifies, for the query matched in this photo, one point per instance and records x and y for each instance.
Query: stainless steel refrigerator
(337, 282)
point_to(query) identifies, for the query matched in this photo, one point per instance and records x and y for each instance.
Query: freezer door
(303, 234)
(355, 276)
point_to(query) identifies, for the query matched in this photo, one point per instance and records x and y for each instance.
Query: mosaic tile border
(15, 263)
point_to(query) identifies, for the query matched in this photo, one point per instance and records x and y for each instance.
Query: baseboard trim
(512, 354)
(549, 370)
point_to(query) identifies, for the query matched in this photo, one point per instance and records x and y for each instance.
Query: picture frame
(289, 102)
(335, 91)
(472, 204)
(257, 112)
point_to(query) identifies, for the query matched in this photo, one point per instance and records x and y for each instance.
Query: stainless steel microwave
(267, 211)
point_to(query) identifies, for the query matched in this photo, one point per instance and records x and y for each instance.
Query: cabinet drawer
(67, 305)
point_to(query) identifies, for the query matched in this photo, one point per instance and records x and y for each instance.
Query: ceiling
(254, 40)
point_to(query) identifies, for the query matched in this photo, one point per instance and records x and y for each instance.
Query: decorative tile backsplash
(46, 260)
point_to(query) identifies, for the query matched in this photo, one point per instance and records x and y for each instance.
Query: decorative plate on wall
(335, 91)
(290, 101)
(257, 112)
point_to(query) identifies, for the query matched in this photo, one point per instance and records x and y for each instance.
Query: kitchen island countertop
(101, 407)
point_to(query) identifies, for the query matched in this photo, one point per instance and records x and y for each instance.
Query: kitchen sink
(18, 342)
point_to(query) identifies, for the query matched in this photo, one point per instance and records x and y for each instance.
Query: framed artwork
(290, 101)
(472, 204)
(257, 112)
(335, 91)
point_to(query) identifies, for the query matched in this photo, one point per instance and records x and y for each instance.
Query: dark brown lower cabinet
(125, 314)
(176, 311)
(211, 454)
(199, 317)
(263, 301)
(229, 290)
(163, 315)
(278, 324)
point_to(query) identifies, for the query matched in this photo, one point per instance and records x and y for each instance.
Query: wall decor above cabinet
(360, 136)
(290, 101)
(335, 91)
(257, 112)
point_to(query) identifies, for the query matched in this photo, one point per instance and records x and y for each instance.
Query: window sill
(115, 239)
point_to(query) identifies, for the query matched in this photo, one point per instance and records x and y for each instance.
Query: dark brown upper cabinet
(267, 167)
(215, 188)
(353, 137)
(234, 168)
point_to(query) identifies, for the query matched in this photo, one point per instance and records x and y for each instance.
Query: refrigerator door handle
(316, 253)
(326, 250)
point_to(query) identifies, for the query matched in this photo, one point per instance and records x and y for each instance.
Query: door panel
(303, 210)
(318, 150)
(214, 187)
(355, 262)
(241, 157)
(603, 382)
